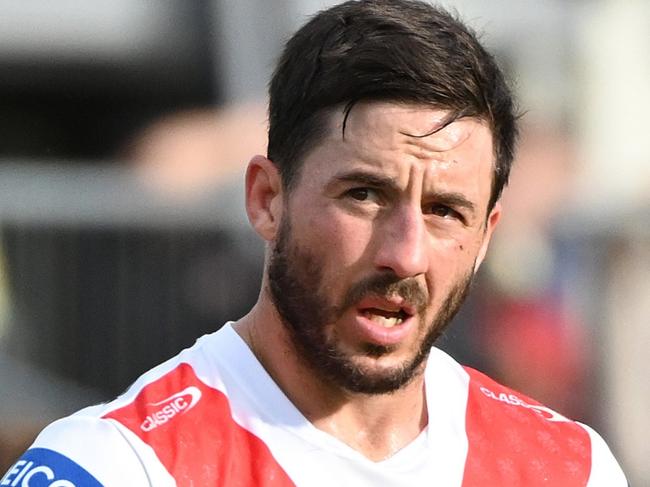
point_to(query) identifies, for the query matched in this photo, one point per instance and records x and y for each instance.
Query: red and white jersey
(212, 416)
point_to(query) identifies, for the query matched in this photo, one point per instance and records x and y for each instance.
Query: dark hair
(384, 50)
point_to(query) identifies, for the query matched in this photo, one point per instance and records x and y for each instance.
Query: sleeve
(605, 470)
(79, 452)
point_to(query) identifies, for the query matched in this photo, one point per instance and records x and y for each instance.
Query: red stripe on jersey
(515, 441)
(190, 427)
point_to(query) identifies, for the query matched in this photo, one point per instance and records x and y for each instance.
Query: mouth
(384, 317)
(384, 321)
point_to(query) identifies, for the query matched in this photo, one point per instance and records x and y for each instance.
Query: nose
(402, 243)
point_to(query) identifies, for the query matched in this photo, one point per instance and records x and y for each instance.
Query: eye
(361, 194)
(443, 211)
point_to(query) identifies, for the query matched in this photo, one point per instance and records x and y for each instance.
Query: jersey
(212, 416)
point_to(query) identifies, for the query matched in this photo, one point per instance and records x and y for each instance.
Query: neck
(376, 425)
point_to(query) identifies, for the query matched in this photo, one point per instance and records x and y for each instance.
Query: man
(391, 138)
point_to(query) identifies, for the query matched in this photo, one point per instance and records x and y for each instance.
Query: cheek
(344, 238)
(468, 249)
(452, 258)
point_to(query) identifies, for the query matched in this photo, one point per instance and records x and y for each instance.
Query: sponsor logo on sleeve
(40, 467)
(514, 400)
(167, 409)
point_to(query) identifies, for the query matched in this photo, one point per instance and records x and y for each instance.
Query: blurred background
(125, 128)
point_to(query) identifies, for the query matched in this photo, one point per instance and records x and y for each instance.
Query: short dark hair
(405, 51)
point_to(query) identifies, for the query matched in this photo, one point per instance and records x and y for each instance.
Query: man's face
(379, 240)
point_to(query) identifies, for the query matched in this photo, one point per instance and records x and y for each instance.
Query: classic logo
(514, 400)
(168, 408)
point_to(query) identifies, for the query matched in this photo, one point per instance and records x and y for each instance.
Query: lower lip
(371, 332)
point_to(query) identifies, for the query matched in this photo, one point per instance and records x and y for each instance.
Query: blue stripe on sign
(41, 467)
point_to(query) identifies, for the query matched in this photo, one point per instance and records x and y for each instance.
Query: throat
(379, 427)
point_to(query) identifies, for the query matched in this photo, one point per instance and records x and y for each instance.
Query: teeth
(384, 321)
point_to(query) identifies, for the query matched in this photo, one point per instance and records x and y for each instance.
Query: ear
(492, 220)
(263, 197)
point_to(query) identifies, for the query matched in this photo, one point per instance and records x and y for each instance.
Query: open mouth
(385, 318)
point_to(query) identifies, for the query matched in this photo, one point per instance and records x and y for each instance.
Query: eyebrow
(369, 179)
(452, 199)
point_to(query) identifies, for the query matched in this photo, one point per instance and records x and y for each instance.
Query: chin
(377, 375)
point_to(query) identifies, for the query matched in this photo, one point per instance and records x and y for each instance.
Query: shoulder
(79, 450)
(183, 413)
(90, 444)
(512, 436)
(170, 409)
(605, 470)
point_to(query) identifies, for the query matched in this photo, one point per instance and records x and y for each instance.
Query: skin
(378, 200)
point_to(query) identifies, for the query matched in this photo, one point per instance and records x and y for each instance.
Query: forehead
(389, 125)
(395, 137)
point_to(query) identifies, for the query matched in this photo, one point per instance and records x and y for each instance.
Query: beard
(297, 291)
